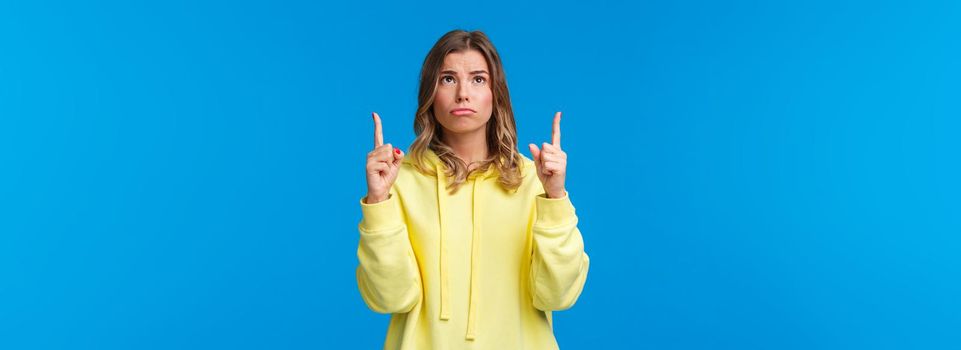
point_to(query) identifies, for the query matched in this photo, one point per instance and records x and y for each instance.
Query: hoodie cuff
(553, 212)
(382, 215)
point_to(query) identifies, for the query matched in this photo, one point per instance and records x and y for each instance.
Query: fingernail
(397, 150)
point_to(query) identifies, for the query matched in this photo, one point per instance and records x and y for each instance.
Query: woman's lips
(462, 111)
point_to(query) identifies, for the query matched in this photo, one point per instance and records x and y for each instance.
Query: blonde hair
(501, 128)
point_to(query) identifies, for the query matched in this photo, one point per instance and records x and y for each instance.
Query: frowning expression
(463, 101)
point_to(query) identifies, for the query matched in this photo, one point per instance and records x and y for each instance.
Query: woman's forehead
(465, 62)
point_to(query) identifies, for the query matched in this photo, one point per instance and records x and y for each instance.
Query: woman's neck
(470, 147)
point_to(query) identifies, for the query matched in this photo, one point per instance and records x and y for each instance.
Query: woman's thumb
(398, 156)
(536, 153)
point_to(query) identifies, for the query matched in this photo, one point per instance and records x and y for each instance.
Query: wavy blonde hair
(501, 129)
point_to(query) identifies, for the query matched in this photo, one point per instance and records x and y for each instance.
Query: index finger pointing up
(378, 131)
(556, 135)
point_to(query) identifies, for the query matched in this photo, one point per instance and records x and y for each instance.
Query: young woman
(469, 244)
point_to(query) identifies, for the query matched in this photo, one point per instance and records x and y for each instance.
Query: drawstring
(474, 253)
(474, 265)
(444, 307)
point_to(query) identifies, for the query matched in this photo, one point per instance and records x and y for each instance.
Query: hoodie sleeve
(559, 264)
(387, 276)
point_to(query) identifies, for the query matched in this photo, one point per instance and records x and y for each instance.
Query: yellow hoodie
(478, 269)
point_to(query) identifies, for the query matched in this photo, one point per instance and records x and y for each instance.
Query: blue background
(748, 175)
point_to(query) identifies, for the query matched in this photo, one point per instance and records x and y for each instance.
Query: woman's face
(463, 100)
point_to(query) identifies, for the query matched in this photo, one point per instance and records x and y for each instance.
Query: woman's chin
(463, 128)
(461, 125)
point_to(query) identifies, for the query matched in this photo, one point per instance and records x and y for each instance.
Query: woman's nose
(462, 94)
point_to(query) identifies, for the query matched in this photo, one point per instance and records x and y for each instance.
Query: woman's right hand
(383, 164)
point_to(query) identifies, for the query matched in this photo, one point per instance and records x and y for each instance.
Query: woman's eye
(480, 80)
(447, 79)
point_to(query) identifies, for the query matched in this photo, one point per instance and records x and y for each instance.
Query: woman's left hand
(551, 162)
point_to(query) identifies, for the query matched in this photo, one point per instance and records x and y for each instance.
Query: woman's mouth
(462, 111)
